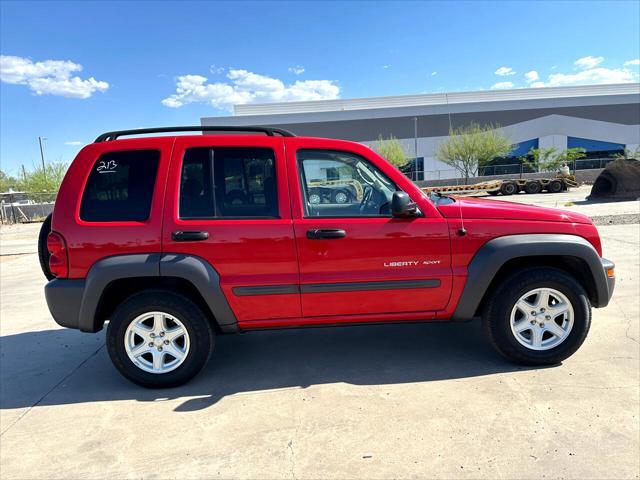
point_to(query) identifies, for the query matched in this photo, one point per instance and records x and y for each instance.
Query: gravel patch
(625, 219)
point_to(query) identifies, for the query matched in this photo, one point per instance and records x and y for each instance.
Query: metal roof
(437, 99)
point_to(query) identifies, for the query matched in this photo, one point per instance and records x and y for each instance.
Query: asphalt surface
(389, 401)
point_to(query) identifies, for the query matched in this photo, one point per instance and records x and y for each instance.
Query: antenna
(462, 231)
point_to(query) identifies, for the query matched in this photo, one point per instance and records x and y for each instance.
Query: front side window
(228, 182)
(120, 187)
(341, 184)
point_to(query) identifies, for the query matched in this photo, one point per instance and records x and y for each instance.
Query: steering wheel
(366, 197)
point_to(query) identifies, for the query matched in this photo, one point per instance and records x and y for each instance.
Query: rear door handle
(182, 236)
(325, 233)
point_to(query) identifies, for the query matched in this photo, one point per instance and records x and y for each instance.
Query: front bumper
(64, 299)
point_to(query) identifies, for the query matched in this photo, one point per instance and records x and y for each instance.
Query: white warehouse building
(602, 119)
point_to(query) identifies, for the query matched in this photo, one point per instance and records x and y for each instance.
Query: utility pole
(44, 169)
(24, 173)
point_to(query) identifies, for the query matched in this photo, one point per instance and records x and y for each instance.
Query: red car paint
(252, 252)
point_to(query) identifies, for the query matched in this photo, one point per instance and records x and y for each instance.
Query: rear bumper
(606, 290)
(64, 299)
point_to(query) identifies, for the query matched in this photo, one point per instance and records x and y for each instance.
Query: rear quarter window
(120, 187)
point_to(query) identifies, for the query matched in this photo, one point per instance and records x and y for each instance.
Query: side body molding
(495, 253)
(191, 268)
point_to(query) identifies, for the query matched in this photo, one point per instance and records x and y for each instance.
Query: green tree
(7, 182)
(628, 154)
(544, 159)
(474, 146)
(45, 181)
(391, 150)
(570, 155)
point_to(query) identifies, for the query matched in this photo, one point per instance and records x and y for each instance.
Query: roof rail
(269, 131)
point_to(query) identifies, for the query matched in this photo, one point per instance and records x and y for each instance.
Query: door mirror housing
(403, 207)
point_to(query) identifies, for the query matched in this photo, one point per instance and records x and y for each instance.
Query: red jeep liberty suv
(176, 239)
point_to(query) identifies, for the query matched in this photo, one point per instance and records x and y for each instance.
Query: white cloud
(501, 85)
(589, 73)
(592, 76)
(433, 74)
(588, 62)
(247, 87)
(49, 77)
(632, 62)
(385, 66)
(504, 71)
(74, 143)
(297, 70)
(216, 70)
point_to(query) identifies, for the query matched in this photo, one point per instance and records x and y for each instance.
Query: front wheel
(539, 316)
(159, 339)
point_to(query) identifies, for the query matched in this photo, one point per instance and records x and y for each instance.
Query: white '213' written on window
(106, 167)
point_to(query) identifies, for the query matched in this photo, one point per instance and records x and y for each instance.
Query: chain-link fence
(515, 169)
(25, 207)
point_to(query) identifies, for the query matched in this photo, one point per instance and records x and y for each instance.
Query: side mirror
(402, 206)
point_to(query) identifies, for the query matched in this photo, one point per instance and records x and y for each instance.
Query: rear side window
(120, 187)
(228, 183)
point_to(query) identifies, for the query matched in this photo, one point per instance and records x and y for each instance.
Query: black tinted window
(228, 183)
(120, 187)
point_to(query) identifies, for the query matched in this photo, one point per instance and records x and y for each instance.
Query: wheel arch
(113, 279)
(502, 256)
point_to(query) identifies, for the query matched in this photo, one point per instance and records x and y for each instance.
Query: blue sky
(71, 70)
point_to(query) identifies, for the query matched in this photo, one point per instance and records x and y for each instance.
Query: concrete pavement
(389, 401)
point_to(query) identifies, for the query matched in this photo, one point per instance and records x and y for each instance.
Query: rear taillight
(58, 263)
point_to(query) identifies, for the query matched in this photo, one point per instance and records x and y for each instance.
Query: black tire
(533, 187)
(508, 188)
(335, 198)
(201, 337)
(496, 315)
(554, 186)
(493, 192)
(43, 251)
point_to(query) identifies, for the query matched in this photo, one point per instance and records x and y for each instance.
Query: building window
(510, 164)
(597, 153)
(414, 168)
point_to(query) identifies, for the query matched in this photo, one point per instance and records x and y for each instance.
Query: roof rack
(269, 131)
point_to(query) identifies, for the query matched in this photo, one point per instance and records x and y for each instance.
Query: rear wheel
(159, 339)
(539, 316)
(493, 192)
(533, 187)
(555, 186)
(508, 188)
(43, 251)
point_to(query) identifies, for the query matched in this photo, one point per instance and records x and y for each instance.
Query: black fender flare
(496, 252)
(191, 268)
(206, 279)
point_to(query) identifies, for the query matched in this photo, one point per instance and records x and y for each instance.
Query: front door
(236, 194)
(355, 259)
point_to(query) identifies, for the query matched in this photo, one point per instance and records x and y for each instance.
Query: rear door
(234, 191)
(355, 259)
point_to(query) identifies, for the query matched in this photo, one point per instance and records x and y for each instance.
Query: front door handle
(325, 233)
(183, 236)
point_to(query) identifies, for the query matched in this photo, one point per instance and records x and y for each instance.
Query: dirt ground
(389, 401)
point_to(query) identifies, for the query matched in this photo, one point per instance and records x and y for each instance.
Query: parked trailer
(511, 186)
